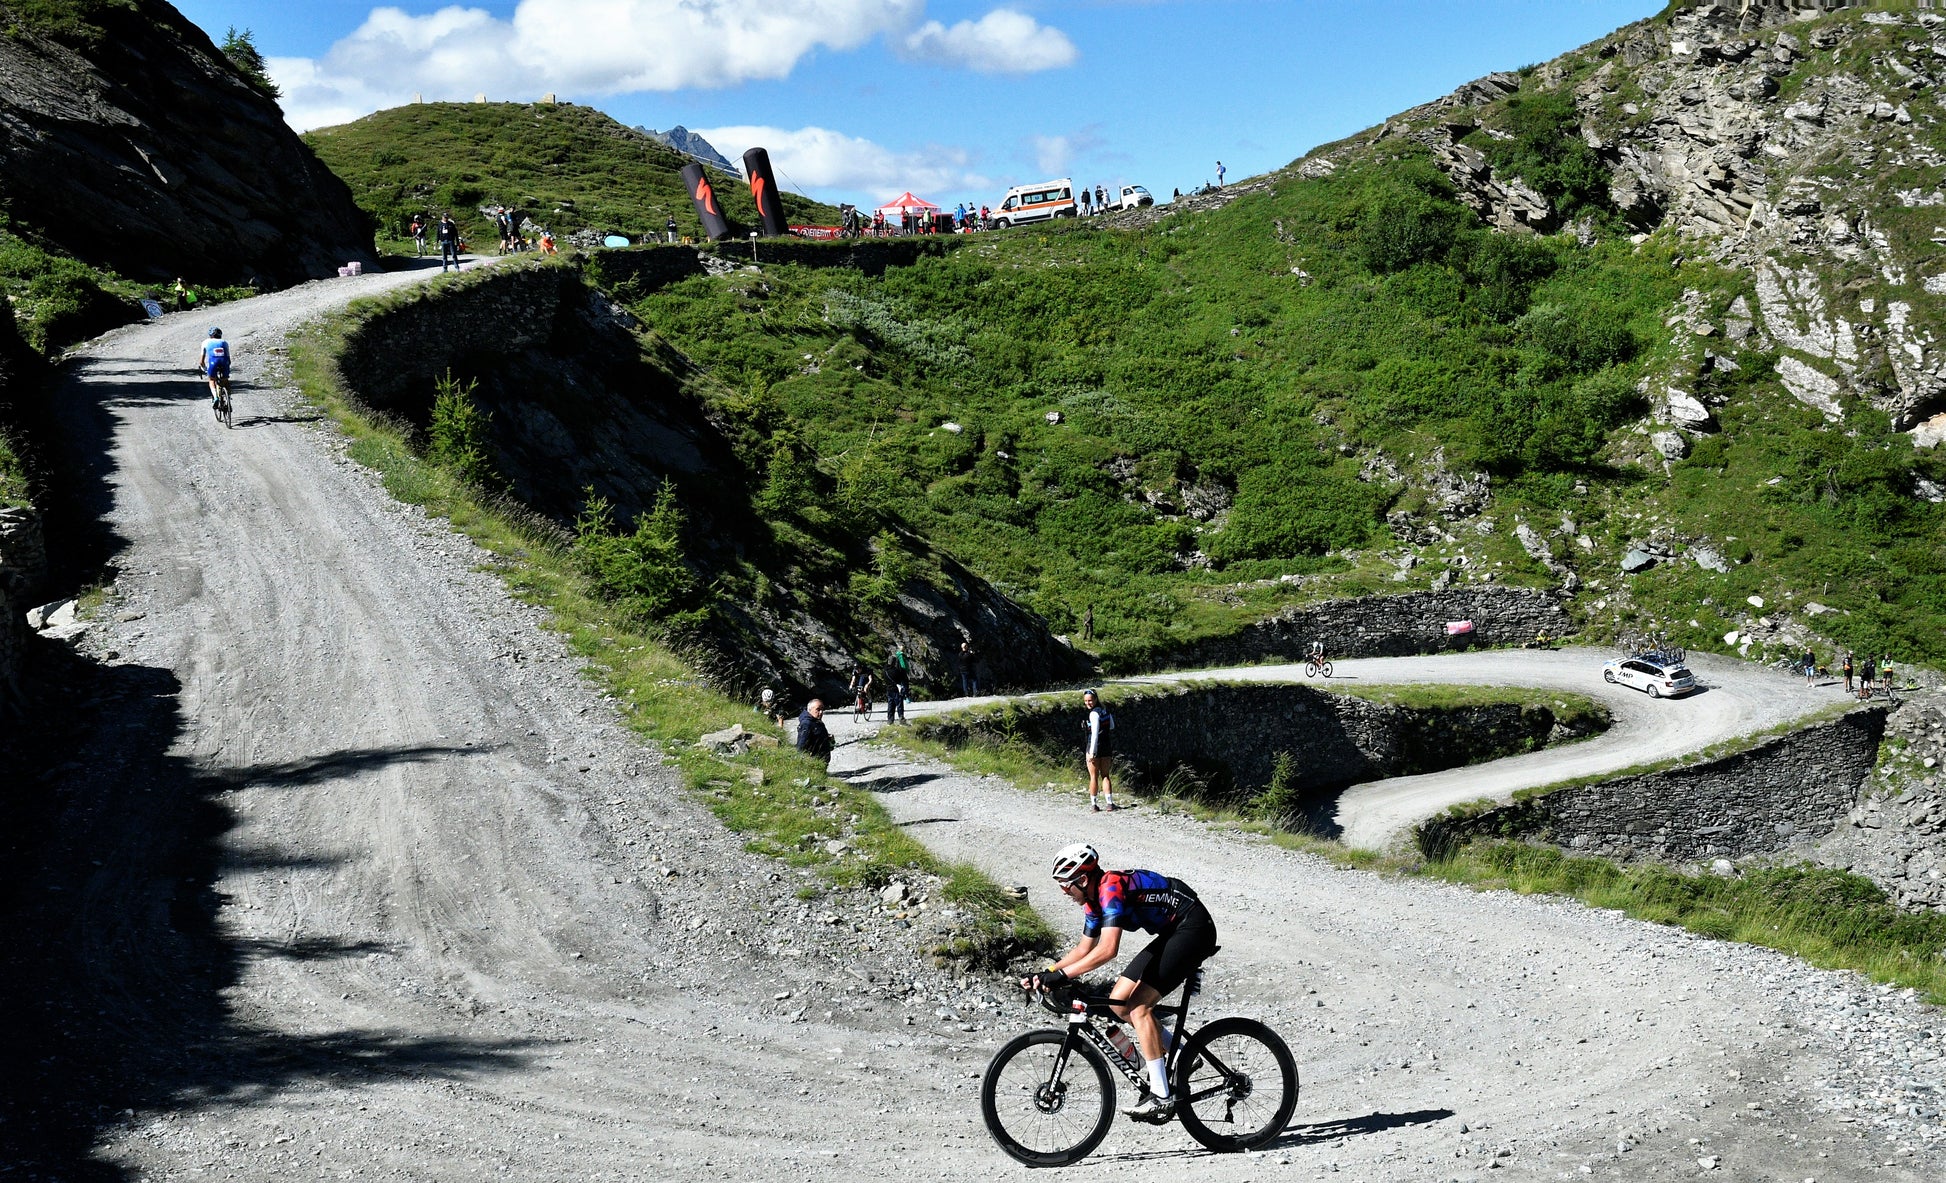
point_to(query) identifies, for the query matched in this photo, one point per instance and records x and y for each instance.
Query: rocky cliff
(1797, 142)
(130, 143)
(580, 403)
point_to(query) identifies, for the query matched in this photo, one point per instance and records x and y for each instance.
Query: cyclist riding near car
(215, 363)
(1113, 902)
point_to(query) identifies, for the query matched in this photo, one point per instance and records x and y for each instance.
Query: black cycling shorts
(1169, 959)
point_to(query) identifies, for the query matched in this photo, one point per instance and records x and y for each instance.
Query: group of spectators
(1861, 675)
(452, 243)
(893, 682)
(965, 218)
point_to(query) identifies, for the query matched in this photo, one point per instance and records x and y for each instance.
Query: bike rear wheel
(1236, 1085)
(225, 410)
(1045, 1103)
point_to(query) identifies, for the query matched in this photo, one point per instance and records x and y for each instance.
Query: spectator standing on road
(1098, 749)
(1810, 668)
(1866, 677)
(1885, 672)
(1849, 669)
(1219, 174)
(448, 242)
(1101, 199)
(969, 677)
(418, 232)
(1085, 202)
(671, 228)
(894, 700)
(813, 737)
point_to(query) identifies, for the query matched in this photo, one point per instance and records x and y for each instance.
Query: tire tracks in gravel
(353, 875)
(1571, 1042)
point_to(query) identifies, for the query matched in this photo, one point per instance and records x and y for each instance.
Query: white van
(1134, 197)
(1036, 203)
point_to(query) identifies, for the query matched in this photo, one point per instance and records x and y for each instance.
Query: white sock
(1159, 1077)
(1108, 796)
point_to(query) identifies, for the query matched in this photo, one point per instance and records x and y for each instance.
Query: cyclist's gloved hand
(1049, 980)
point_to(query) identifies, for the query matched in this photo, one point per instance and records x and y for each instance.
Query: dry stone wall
(1387, 626)
(1754, 802)
(1231, 735)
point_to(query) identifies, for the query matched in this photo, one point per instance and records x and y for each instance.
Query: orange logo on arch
(706, 195)
(757, 188)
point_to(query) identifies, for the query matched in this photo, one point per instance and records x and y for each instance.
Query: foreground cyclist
(215, 364)
(1115, 901)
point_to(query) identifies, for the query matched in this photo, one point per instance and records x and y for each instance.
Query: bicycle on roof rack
(1048, 1096)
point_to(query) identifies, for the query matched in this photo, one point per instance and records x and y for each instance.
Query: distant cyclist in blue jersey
(1113, 902)
(215, 365)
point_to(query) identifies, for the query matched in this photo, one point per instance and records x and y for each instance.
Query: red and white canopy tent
(906, 201)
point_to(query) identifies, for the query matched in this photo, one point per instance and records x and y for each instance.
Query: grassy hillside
(567, 167)
(1298, 394)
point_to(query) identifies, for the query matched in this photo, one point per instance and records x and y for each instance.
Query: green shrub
(1280, 802)
(460, 436)
(643, 571)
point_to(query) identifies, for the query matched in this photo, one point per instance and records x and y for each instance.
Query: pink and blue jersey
(1143, 900)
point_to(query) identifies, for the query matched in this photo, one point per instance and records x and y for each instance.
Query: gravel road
(1735, 698)
(355, 877)
(1447, 1033)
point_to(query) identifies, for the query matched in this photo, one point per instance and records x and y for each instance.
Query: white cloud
(818, 159)
(1054, 154)
(573, 47)
(1001, 42)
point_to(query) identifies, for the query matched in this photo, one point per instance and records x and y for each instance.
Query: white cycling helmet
(1070, 862)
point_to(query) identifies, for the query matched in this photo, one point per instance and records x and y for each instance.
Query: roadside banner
(763, 187)
(708, 209)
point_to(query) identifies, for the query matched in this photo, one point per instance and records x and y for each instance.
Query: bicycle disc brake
(1050, 1098)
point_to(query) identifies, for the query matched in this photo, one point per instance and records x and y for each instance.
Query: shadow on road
(1302, 1135)
(1351, 1127)
(896, 784)
(115, 971)
(272, 420)
(334, 765)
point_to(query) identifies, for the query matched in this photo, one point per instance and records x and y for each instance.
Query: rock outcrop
(578, 402)
(145, 151)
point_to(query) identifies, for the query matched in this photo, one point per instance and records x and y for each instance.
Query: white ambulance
(1036, 203)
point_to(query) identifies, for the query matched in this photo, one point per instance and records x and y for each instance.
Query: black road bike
(221, 403)
(1049, 1095)
(1313, 666)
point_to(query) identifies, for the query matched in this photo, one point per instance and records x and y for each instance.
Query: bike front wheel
(1048, 1103)
(1325, 668)
(1236, 1085)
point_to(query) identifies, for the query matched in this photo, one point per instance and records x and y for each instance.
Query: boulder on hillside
(145, 151)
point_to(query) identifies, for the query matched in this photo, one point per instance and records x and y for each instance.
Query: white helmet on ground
(1072, 861)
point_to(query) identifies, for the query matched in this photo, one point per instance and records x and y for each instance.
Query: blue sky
(955, 99)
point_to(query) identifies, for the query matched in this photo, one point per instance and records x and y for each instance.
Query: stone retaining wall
(1754, 802)
(641, 270)
(1386, 626)
(1231, 735)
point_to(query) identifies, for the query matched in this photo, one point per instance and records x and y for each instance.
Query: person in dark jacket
(813, 737)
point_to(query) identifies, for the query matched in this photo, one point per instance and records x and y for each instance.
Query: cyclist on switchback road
(215, 363)
(1113, 902)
